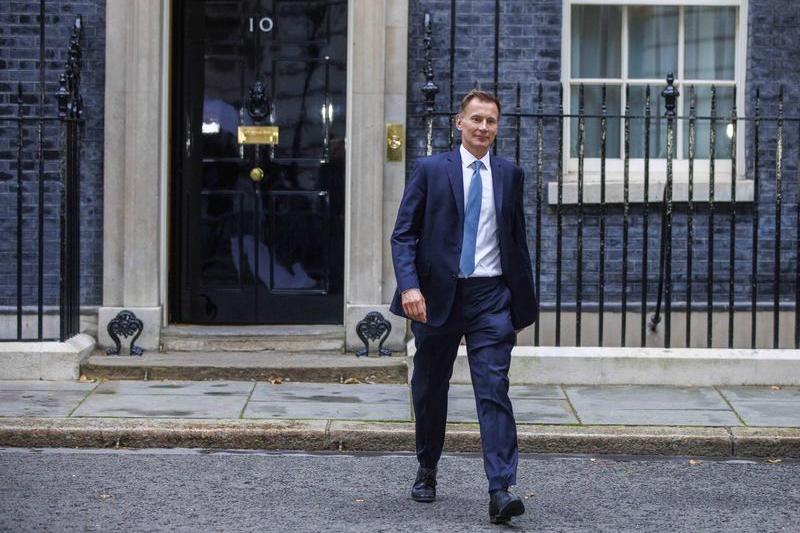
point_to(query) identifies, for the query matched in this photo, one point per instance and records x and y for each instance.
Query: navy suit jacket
(426, 242)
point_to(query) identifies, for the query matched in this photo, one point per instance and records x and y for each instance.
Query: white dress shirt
(487, 246)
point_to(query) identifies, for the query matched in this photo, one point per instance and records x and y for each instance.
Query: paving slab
(176, 388)
(525, 411)
(775, 394)
(769, 413)
(653, 397)
(331, 393)
(49, 403)
(549, 392)
(661, 417)
(328, 410)
(31, 385)
(162, 406)
(765, 406)
(643, 405)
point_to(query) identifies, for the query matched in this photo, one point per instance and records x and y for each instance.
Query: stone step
(316, 338)
(326, 367)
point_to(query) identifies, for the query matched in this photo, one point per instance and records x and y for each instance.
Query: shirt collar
(467, 158)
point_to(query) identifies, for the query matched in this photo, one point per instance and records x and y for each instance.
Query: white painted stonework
(151, 322)
(376, 89)
(45, 360)
(136, 127)
(641, 366)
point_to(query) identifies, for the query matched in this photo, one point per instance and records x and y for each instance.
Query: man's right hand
(414, 305)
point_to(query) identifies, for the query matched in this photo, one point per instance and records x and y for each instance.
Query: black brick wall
(19, 63)
(530, 54)
(773, 58)
(530, 51)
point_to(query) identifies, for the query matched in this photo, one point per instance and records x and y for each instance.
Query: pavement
(653, 420)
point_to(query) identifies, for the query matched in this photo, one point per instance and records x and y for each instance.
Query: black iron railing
(774, 285)
(32, 186)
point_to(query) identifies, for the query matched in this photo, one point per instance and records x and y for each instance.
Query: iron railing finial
(670, 94)
(430, 89)
(70, 102)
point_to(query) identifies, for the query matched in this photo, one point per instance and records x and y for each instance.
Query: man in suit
(462, 266)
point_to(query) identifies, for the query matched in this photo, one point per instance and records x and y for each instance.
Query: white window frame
(614, 165)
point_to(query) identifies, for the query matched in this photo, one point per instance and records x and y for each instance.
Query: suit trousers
(481, 313)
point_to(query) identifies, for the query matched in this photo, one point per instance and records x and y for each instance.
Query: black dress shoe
(503, 505)
(424, 489)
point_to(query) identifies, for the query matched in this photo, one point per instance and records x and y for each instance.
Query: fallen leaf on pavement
(103, 496)
(530, 495)
(276, 381)
(359, 500)
(774, 460)
(694, 462)
(776, 387)
(592, 460)
(351, 381)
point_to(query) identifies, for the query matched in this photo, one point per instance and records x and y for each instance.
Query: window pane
(593, 106)
(658, 125)
(596, 41)
(710, 43)
(725, 97)
(653, 41)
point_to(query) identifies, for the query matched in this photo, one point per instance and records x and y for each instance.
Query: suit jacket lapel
(456, 177)
(498, 178)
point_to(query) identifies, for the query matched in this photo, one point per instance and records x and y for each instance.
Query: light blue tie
(472, 213)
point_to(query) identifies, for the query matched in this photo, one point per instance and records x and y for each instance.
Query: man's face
(478, 126)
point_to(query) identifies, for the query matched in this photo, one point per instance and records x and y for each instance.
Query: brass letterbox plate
(258, 135)
(394, 142)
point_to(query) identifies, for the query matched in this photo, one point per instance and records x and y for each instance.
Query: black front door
(258, 160)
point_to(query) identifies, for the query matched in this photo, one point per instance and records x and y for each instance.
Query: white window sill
(658, 178)
(680, 190)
